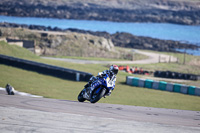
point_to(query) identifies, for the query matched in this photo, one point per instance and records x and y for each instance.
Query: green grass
(52, 87)
(16, 51)
(34, 83)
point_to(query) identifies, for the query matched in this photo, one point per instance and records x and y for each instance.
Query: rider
(112, 72)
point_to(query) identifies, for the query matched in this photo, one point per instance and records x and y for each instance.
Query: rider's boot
(108, 94)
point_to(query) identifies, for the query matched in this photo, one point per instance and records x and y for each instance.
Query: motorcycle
(104, 85)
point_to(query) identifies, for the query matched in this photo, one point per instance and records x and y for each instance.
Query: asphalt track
(23, 114)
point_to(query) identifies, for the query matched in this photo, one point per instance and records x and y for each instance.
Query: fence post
(170, 59)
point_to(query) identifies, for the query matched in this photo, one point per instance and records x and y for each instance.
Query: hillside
(49, 43)
(12, 50)
(107, 40)
(159, 11)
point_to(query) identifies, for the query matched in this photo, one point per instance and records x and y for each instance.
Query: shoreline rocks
(158, 11)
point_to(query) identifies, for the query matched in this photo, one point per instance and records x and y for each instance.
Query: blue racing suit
(101, 74)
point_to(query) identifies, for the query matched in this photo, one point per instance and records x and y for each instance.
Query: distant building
(30, 45)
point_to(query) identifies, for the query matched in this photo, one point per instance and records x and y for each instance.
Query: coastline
(157, 11)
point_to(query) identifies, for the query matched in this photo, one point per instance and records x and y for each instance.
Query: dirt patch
(195, 62)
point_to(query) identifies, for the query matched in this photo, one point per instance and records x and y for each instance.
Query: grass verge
(52, 87)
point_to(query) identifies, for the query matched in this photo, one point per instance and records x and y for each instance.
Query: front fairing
(109, 83)
(104, 82)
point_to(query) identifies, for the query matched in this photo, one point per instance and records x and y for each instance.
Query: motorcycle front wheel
(95, 97)
(80, 96)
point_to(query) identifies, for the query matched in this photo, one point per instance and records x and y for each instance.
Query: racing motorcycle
(104, 86)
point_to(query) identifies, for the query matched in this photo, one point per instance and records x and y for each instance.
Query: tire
(80, 97)
(98, 96)
(156, 74)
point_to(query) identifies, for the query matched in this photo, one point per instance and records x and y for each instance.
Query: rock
(106, 43)
(57, 41)
(159, 11)
(138, 42)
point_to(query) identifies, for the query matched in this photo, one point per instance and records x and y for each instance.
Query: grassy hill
(52, 87)
(16, 51)
(68, 43)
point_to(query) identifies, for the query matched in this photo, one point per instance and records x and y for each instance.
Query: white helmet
(114, 69)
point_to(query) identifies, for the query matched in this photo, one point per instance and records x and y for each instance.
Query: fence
(56, 71)
(161, 85)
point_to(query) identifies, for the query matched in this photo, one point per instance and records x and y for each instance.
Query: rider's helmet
(114, 69)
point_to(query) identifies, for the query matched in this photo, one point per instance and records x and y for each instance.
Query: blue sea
(166, 31)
